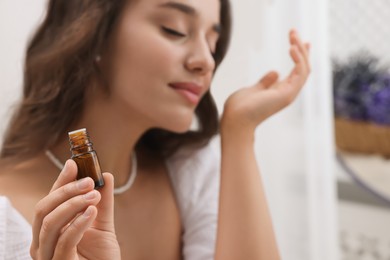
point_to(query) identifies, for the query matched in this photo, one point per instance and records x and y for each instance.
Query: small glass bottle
(85, 157)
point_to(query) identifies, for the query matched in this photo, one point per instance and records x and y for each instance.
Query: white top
(195, 178)
(15, 233)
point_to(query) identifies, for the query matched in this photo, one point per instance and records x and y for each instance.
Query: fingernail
(90, 195)
(83, 183)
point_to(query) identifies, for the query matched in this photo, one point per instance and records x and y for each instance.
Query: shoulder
(24, 184)
(10, 217)
(196, 161)
(15, 232)
(196, 164)
(195, 175)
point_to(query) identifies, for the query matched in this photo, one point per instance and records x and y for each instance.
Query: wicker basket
(362, 137)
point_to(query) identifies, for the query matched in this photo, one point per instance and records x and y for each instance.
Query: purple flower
(361, 90)
(352, 86)
(378, 107)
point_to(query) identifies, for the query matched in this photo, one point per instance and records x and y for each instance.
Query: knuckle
(33, 253)
(62, 244)
(68, 190)
(47, 225)
(74, 203)
(76, 226)
(67, 240)
(40, 211)
(71, 204)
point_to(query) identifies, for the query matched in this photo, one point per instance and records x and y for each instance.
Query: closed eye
(178, 34)
(172, 32)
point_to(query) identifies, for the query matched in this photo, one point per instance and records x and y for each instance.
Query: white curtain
(295, 148)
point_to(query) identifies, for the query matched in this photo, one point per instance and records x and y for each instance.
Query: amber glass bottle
(85, 157)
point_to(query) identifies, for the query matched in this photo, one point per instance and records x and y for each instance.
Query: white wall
(17, 19)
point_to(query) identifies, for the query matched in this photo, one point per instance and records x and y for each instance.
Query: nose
(200, 59)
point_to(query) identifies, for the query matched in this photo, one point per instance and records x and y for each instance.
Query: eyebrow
(188, 10)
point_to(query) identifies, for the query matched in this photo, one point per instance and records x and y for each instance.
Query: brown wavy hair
(59, 65)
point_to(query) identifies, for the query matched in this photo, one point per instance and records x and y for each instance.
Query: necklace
(118, 190)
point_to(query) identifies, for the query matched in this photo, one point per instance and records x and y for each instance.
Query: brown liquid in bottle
(85, 157)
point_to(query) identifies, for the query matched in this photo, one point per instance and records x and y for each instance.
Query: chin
(179, 125)
(180, 129)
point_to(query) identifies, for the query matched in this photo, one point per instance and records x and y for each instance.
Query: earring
(98, 58)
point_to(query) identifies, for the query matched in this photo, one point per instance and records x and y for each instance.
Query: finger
(297, 58)
(295, 40)
(294, 53)
(268, 80)
(68, 174)
(302, 51)
(54, 223)
(105, 218)
(300, 70)
(53, 200)
(297, 76)
(308, 47)
(72, 236)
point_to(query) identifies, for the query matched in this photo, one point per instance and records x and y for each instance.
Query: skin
(67, 224)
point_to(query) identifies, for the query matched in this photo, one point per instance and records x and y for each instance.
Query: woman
(135, 74)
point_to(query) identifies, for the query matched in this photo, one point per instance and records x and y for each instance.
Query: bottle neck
(80, 145)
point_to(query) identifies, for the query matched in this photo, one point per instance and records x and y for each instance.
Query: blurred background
(325, 159)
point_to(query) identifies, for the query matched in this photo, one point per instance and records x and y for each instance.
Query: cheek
(148, 53)
(144, 60)
(142, 64)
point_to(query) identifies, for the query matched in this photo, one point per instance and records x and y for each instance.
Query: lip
(191, 91)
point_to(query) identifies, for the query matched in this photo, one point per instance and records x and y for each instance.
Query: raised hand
(74, 221)
(248, 107)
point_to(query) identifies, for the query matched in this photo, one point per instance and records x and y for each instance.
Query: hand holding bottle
(75, 221)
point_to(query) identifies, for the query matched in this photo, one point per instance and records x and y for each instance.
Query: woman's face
(159, 61)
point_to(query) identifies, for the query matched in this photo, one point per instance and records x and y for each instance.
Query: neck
(114, 133)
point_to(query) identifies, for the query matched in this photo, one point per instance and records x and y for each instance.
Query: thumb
(105, 217)
(67, 175)
(268, 80)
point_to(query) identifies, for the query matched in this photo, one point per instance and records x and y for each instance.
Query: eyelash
(173, 32)
(177, 34)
